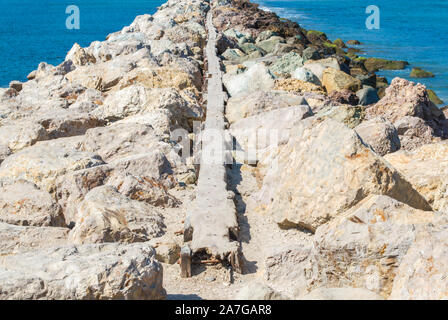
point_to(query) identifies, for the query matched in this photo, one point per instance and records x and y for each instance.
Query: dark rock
(16, 85)
(311, 53)
(223, 43)
(316, 36)
(344, 97)
(354, 42)
(367, 79)
(338, 42)
(367, 96)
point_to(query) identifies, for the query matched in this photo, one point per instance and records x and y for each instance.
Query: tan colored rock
(16, 239)
(107, 216)
(44, 162)
(106, 75)
(267, 129)
(23, 204)
(79, 56)
(323, 172)
(120, 140)
(370, 240)
(164, 77)
(87, 272)
(73, 186)
(422, 274)
(426, 168)
(23, 134)
(361, 248)
(296, 85)
(146, 189)
(64, 123)
(238, 108)
(318, 66)
(380, 134)
(167, 249)
(160, 105)
(336, 80)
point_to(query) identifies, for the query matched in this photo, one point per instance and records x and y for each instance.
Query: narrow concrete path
(212, 224)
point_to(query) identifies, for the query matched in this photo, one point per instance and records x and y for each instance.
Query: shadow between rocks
(234, 179)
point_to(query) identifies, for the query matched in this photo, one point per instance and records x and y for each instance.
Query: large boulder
(336, 80)
(107, 216)
(72, 187)
(16, 239)
(257, 102)
(19, 135)
(422, 273)
(349, 115)
(67, 123)
(287, 64)
(271, 128)
(304, 74)
(361, 248)
(22, 203)
(367, 95)
(318, 66)
(256, 78)
(147, 189)
(327, 162)
(44, 162)
(426, 169)
(380, 134)
(404, 98)
(87, 272)
(120, 140)
(270, 44)
(414, 132)
(161, 103)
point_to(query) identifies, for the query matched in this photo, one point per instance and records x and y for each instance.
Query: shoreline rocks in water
(345, 187)
(420, 73)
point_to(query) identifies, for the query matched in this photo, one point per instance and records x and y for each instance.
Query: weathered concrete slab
(212, 224)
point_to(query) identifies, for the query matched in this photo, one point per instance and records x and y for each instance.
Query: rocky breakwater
(348, 166)
(90, 179)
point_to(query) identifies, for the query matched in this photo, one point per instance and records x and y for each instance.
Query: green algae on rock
(433, 97)
(376, 64)
(420, 73)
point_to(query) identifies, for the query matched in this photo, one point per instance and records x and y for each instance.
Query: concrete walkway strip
(211, 225)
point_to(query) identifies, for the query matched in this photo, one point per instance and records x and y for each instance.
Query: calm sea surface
(35, 30)
(417, 31)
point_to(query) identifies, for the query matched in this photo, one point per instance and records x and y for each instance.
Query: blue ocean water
(411, 30)
(32, 31)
